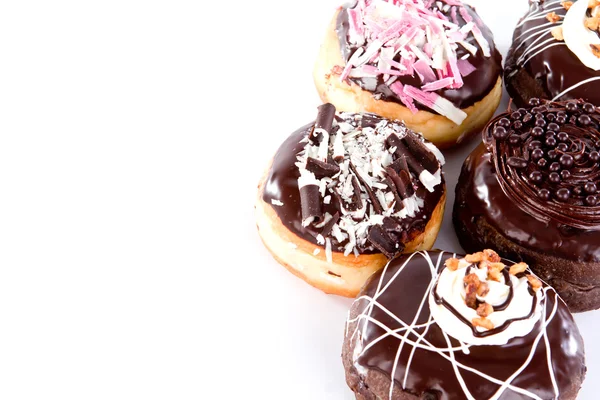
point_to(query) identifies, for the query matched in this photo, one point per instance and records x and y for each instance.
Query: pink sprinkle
(456, 36)
(427, 99)
(437, 85)
(424, 71)
(453, 15)
(455, 73)
(465, 14)
(398, 90)
(355, 20)
(452, 2)
(392, 32)
(465, 67)
(437, 104)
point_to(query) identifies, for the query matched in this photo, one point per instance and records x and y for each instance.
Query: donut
(346, 193)
(530, 191)
(432, 65)
(433, 325)
(555, 53)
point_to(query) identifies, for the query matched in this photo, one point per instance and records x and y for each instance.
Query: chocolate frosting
(402, 288)
(282, 186)
(476, 85)
(553, 66)
(512, 199)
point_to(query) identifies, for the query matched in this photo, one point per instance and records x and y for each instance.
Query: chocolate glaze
(282, 184)
(555, 69)
(429, 371)
(476, 86)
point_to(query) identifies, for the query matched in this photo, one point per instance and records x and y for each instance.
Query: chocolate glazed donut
(531, 192)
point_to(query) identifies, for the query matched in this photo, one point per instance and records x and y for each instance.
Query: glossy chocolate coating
(429, 372)
(282, 184)
(551, 71)
(476, 86)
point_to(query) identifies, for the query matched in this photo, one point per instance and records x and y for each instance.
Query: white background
(132, 137)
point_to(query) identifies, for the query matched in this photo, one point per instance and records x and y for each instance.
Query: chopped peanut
(593, 3)
(535, 283)
(475, 258)
(557, 32)
(484, 310)
(452, 264)
(566, 4)
(517, 268)
(483, 289)
(495, 271)
(483, 322)
(552, 17)
(595, 49)
(472, 284)
(592, 23)
(491, 255)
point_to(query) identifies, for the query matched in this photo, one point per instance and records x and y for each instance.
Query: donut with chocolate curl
(436, 325)
(531, 191)
(431, 64)
(345, 194)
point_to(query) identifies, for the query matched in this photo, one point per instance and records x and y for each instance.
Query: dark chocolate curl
(398, 205)
(383, 242)
(420, 151)
(401, 150)
(374, 201)
(402, 182)
(321, 169)
(310, 200)
(400, 164)
(324, 119)
(329, 226)
(356, 198)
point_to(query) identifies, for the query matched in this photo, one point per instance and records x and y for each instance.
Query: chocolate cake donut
(346, 193)
(555, 53)
(431, 64)
(531, 192)
(432, 325)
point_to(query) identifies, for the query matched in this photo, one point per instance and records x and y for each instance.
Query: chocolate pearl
(552, 154)
(591, 200)
(544, 194)
(562, 147)
(584, 120)
(594, 156)
(573, 120)
(565, 174)
(542, 162)
(536, 154)
(536, 176)
(563, 194)
(554, 166)
(522, 111)
(561, 114)
(566, 160)
(537, 131)
(589, 108)
(562, 136)
(553, 127)
(515, 115)
(551, 141)
(514, 139)
(517, 125)
(571, 106)
(534, 102)
(554, 177)
(500, 132)
(590, 188)
(538, 114)
(505, 122)
(517, 162)
(527, 117)
(550, 117)
(561, 120)
(540, 122)
(534, 144)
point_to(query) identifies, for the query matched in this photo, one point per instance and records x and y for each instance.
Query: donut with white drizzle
(412, 332)
(555, 53)
(432, 64)
(345, 194)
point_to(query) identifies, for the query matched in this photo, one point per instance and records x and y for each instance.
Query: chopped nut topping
(593, 3)
(452, 264)
(472, 285)
(483, 322)
(483, 289)
(552, 17)
(484, 310)
(535, 283)
(566, 4)
(518, 268)
(557, 32)
(475, 258)
(491, 255)
(495, 271)
(595, 49)
(592, 23)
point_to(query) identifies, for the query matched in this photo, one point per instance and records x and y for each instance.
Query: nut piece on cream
(578, 37)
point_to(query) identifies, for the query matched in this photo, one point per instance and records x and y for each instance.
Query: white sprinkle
(292, 245)
(328, 253)
(327, 199)
(320, 239)
(317, 251)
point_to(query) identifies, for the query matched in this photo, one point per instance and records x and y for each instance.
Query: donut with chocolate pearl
(553, 55)
(436, 325)
(431, 64)
(538, 202)
(346, 193)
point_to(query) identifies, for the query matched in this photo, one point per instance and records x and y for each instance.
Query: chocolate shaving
(402, 182)
(356, 198)
(324, 121)
(329, 225)
(401, 150)
(374, 201)
(418, 148)
(398, 205)
(321, 169)
(381, 240)
(391, 225)
(400, 164)
(310, 201)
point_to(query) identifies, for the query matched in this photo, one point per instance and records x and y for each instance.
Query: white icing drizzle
(407, 330)
(575, 87)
